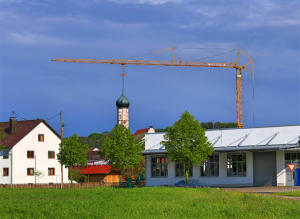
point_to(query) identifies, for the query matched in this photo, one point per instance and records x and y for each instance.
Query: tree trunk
(71, 177)
(187, 176)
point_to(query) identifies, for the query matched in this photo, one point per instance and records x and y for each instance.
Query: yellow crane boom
(178, 62)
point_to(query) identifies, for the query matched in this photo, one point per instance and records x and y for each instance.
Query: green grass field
(295, 193)
(142, 203)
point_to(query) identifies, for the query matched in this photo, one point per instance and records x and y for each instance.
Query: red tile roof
(140, 131)
(22, 129)
(103, 169)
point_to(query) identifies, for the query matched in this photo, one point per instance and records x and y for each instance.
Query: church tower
(123, 107)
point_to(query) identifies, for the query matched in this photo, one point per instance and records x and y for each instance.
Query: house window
(236, 164)
(30, 171)
(51, 171)
(51, 154)
(159, 166)
(180, 170)
(41, 137)
(292, 157)
(5, 171)
(210, 166)
(30, 154)
(5, 156)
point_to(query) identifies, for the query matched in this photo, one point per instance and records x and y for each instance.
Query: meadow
(294, 193)
(159, 202)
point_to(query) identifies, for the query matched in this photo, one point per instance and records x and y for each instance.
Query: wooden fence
(68, 185)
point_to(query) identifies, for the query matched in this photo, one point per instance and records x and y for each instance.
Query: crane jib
(146, 62)
(239, 68)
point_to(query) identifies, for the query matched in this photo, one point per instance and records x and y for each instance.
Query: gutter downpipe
(35, 169)
(11, 169)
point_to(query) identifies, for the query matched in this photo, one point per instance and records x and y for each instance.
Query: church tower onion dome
(122, 102)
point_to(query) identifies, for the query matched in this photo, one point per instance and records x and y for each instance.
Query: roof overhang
(237, 148)
(256, 148)
(158, 151)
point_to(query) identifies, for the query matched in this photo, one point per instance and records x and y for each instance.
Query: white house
(242, 157)
(30, 153)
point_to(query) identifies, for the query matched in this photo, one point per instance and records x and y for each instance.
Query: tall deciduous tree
(121, 150)
(72, 153)
(186, 143)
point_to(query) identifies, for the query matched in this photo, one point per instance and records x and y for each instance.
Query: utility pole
(61, 137)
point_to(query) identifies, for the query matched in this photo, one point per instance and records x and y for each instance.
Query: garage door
(264, 169)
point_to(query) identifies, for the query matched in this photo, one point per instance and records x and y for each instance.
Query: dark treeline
(210, 125)
(96, 139)
(218, 125)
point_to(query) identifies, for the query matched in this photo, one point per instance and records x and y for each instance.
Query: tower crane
(178, 62)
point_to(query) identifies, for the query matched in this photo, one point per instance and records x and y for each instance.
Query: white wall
(4, 163)
(20, 162)
(280, 168)
(222, 179)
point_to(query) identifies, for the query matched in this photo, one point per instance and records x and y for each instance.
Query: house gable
(23, 129)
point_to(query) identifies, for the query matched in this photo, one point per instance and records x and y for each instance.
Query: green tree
(121, 150)
(160, 130)
(186, 143)
(77, 176)
(72, 152)
(94, 139)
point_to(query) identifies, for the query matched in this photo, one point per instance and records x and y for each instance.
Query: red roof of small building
(140, 131)
(101, 169)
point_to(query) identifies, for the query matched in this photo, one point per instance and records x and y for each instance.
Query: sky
(32, 32)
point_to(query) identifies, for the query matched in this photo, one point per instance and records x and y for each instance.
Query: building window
(51, 154)
(41, 137)
(51, 171)
(180, 170)
(5, 156)
(30, 154)
(159, 166)
(210, 166)
(5, 171)
(236, 164)
(292, 157)
(30, 171)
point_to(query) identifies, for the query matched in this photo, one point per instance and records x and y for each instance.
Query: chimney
(12, 124)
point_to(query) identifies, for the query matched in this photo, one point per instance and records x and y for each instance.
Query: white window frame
(159, 166)
(239, 164)
(209, 164)
(177, 164)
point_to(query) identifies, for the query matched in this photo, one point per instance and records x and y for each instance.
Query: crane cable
(53, 117)
(123, 75)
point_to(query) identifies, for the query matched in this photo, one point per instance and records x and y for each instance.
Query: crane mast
(180, 63)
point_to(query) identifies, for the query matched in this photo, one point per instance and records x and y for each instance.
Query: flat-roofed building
(242, 157)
